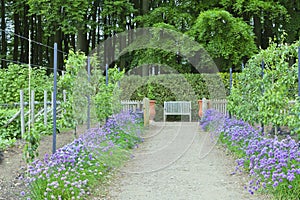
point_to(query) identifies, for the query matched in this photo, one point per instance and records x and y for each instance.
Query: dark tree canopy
(82, 24)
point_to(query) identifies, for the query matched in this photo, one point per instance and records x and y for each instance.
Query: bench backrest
(177, 107)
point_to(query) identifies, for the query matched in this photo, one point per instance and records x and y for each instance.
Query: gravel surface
(179, 161)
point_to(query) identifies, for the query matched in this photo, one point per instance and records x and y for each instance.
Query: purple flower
(270, 161)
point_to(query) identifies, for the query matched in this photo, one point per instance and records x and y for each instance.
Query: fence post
(52, 101)
(54, 98)
(230, 80)
(88, 97)
(32, 107)
(22, 113)
(262, 76)
(204, 106)
(299, 73)
(64, 98)
(146, 111)
(45, 107)
(230, 84)
(106, 74)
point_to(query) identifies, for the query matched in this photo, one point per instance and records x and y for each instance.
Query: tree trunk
(25, 43)
(73, 41)
(39, 35)
(145, 7)
(3, 36)
(257, 30)
(94, 19)
(34, 46)
(82, 41)
(268, 33)
(16, 38)
(60, 61)
(66, 43)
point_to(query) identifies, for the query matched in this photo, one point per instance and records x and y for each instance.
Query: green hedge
(170, 87)
(16, 78)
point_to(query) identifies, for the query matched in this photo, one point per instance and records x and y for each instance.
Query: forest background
(231, 31)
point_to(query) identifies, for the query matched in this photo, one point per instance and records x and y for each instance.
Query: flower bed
(74, 170)
(273, 164)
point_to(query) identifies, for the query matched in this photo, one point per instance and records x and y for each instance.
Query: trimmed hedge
(171, 87)
(16, 78)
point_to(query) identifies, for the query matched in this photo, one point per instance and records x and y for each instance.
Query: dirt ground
(12, 167)
(179, 161)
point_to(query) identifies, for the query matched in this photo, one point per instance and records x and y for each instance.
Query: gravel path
(178, 161)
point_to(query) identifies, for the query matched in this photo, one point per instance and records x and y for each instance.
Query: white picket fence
(138, 106)
(33, 115)
(220, 105)
(132, 105)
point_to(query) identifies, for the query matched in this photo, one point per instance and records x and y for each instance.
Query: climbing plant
(263, 95)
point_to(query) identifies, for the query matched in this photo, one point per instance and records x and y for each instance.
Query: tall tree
(227, 39)
(292, 26)
(266, 17)
(3, 35)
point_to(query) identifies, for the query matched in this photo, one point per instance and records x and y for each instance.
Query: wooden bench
(178, 108)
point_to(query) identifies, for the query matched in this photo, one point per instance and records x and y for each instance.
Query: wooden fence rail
(132, 105)
(138, 106)
(220, 105)
(31, 112)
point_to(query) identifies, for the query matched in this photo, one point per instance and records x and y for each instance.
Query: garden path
(179, 161)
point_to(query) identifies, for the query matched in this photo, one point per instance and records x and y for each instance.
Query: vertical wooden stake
(45, 108)
(32, 107)
(88, 97)
(54, 98)
(22, 113)
(65, 98)
(299, 73)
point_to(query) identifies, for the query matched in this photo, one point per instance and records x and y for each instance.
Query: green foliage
(107, 97)
(266, 17)
(170, 87)
(32, 139)
(13, 129)
(8, 134)
(120, 10)
(265, 100)
(75, 82)
(227, 39)
(60, 15)
(103, 98)
(16, 78)
(171, 15)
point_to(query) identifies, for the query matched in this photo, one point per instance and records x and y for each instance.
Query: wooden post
(45, 108)
(262, 76)
(65, 98)
(32, 107)
(22, 113)
(204, 106)
(89, 97)
(299, 73)
(52, 100)
(146, 111)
